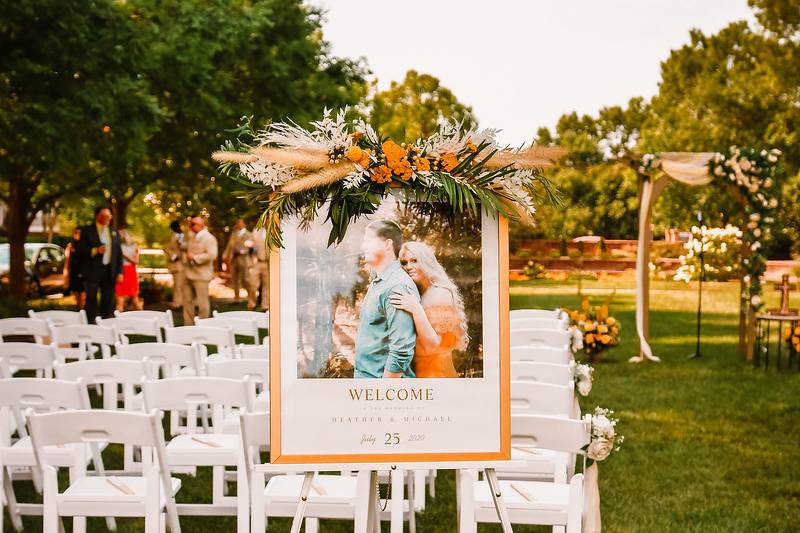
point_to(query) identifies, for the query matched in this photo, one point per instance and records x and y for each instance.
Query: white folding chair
(535, 398)
(330, 497)
(217, 450)
(19, 356)
(28, 327)
(557, 374)
(536, 313)
(151, 495)
(541, 337)
(243, 327)
(539, 323)
(164, 318)
(169, 360)
(85, 336)
(205, 336)
(531, 502)
(255, 351)
(112, 374)
(57, 317)
(541, 354)
(262, 319)
(124, 326)
(257, 373)
(21, 395)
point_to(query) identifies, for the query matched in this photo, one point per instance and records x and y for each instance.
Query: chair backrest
(121, 371)
(255, 351)
(541, 354)
(222, 338)
(262, 319)
(84, 333)
(43, 394)
(254, 428)
(538, 323)
(180, 393)
(536, 313)
(148, 327)
(536, 398)
(35, 327)
(254, 369)
(550, 432)
(240, 326)
(541, 372)
(169, 355)
(58, 317)
(28, 356)
(164, 318)
(542, 337)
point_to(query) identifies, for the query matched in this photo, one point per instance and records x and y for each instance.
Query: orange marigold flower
(358, 156)
(449, 161)
(381, 174)
(471, 145)
(403, 169)
(590, 326)
(393, 152)
(605, 339)
(106, 129)
(602, 328)
(590, 338)
(422, 164)
(611, 321)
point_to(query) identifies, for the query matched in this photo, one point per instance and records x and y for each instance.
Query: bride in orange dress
(439, 318)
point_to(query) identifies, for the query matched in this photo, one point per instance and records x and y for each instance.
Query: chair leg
(419, 490)
(11, 500)
(50, 520)
(312, 525)
(242, 499)
(78, 524)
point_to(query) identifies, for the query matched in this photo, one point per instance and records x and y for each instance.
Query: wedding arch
(750, 175)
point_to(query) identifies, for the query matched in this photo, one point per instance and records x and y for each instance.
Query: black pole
(696, 353)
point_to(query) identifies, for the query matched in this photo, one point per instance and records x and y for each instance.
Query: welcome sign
(393, 344)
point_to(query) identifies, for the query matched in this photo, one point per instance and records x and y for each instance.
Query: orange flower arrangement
(792, 337)
(358, 156)
(381, 174)
(600, 331)
(449, 162)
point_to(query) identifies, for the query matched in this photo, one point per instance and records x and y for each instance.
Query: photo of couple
(398, 298)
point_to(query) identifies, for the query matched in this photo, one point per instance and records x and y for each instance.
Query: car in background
(44, 268)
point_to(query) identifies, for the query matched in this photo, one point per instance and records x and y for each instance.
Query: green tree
(67, 72)
(415, 107)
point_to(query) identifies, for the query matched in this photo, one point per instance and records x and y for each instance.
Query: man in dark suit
(101, 264)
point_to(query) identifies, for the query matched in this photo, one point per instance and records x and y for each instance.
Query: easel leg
(412, 513)
(297, 522)
(500, 506)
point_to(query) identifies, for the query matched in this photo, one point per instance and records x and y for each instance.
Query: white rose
(602, 426)
(757, 232)
(755, 300)
(775, 152)
(745, 164)
(599, 449)
(768, 183)
(584, 387)
(773, 203)
(755, 216)
(772, 159)
(718, 171)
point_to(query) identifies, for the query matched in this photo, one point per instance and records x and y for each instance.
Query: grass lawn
(711, 444)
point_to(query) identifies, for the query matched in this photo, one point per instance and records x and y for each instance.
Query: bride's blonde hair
(427, 262)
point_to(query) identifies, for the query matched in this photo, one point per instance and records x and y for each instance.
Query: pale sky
(522, 64)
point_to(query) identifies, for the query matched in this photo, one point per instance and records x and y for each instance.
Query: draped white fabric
(591, 500)
(690, 168)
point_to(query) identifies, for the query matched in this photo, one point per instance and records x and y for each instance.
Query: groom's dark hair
(386, 229)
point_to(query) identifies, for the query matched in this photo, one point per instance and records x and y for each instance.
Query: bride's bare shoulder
(437, 296)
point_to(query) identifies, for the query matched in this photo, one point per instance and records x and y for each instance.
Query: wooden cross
(784, 287)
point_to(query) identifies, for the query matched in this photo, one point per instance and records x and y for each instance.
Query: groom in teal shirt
(386, 336)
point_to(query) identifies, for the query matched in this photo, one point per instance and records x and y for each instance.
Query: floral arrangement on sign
(582, 375)
(604, 438)
(597, 328)
(350, 167)
(721, 248)
(752, 174)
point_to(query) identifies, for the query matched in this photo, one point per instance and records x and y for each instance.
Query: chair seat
(327, 489)
(21, 454)
(205, 449)
(111, 489)
(544, 496)
(539, 462)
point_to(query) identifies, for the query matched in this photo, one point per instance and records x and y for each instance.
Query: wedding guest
(439, 316)
(72, 270)
(128, 287)
(259, 270)
(174, 250)
(386, 338)
(198, 268)
(237, 257)
(100, 264)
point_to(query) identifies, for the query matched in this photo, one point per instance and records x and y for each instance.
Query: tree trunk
(119, 211)
(17, 225)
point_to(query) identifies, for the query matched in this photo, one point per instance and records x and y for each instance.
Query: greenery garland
(348, 166)
(752, 174)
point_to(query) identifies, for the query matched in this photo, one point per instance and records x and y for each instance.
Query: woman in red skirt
(129, 286)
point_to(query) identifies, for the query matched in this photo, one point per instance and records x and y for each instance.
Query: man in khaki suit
(174, 250)
(237, 256)
(198, 268)
(259, 270)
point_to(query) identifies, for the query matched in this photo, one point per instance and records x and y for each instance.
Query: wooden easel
(367, 518)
